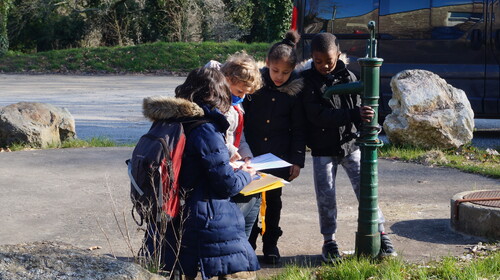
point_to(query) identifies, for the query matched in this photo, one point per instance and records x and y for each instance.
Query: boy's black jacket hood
(339, 75)
(291, 87)
(340, 69)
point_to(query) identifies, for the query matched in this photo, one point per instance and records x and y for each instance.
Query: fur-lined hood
(292, 87)
(162, 107)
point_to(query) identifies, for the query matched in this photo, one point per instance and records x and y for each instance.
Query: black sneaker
(272, 256)
(330, 251)
(386, 247)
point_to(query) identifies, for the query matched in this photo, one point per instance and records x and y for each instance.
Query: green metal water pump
(367, 236)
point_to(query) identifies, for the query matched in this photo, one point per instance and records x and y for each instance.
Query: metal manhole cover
(486, 198)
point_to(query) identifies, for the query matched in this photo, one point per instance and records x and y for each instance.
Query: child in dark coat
(331, 131)
(274, 123)
(210, 235)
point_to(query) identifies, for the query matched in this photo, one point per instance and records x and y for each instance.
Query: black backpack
(154, 170)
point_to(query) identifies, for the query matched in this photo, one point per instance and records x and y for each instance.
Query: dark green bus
(457, 39)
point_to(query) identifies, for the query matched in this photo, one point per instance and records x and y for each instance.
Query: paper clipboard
(266, 182)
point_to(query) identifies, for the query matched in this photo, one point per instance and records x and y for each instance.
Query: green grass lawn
(157, 57)
(480, 267)
(467, 158)
(74, 143)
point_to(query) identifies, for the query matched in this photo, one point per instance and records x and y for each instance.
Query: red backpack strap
(239, 129)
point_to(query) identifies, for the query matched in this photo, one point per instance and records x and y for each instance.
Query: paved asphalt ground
(73, 195)
(110, 106)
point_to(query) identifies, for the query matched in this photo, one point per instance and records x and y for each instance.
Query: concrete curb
(474, 219)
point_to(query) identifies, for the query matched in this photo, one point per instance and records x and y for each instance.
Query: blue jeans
(325, 172)
(250, 210)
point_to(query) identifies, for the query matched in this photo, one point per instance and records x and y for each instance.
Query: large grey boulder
(36, 124)
(55, 260)
(428, 112)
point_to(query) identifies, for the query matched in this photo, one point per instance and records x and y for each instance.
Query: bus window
(338, 17)
(405, 19)
(346, 19)
(459, 40)
(442, 36)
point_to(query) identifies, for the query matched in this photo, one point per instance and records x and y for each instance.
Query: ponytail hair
(285, 49)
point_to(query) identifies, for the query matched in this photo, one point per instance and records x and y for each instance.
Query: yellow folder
(266, 182)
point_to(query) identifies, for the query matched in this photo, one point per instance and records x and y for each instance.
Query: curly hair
(241, 67)
(205, 86)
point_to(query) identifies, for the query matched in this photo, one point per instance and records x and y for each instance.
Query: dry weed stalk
(125, 235)
(156, 226)
(155, 229)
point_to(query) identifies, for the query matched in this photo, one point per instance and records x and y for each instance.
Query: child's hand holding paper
(249, 169)
(266, 161)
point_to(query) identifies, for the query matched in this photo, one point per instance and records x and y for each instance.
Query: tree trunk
(4, 39)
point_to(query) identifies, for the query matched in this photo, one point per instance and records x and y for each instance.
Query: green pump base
(367, 245)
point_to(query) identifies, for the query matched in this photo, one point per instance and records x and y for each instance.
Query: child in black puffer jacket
(275, 123)
(332, 125)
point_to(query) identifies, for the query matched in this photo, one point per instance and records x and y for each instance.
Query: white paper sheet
(266, 161)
